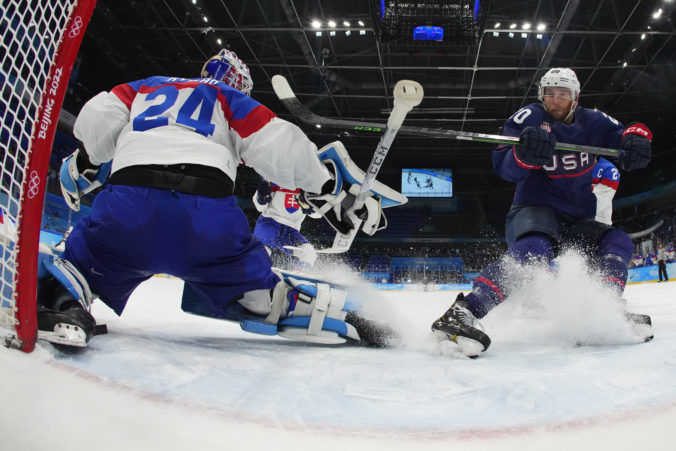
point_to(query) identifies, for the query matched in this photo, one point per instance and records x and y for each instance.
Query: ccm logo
(638, 129)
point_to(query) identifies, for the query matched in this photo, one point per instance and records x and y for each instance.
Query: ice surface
(564, 372)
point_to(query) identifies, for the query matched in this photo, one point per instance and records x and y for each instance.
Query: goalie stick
(300, 111)
(407, 94)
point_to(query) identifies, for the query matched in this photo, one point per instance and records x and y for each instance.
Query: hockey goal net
(40, 40)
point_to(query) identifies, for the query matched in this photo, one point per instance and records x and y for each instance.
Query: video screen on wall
(426, 183)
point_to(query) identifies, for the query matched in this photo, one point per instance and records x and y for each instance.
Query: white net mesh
(31, 31)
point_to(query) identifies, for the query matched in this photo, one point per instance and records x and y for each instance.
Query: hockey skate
(641, 324)
(73, 326)
(460, 326)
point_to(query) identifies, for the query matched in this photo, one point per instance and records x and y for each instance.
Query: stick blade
(281, 87)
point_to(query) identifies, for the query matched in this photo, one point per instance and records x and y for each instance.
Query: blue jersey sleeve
(505, 163)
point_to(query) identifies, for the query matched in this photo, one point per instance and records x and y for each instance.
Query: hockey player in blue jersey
(172, 146)
(553, 205)
(279, 224)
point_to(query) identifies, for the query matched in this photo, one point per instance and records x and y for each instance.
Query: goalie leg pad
(68, 276)
(312, 312)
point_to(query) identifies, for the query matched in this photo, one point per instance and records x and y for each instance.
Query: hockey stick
(297, 109)
(407, 94)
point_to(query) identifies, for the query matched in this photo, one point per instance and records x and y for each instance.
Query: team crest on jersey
(290, 203)
(546, 126)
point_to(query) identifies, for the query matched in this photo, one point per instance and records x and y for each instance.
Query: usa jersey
(604, 186)
(565, 183)
(169, 120)
(283, 207)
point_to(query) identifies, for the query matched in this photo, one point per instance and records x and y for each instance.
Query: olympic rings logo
(76, 27)
(33, 185)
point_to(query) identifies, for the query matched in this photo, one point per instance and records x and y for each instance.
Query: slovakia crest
(290, 203)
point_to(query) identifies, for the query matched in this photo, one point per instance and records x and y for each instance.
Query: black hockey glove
(635, 149)
(536, 147)
(263, 192)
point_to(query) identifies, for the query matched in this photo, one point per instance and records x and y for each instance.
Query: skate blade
(468, 347)
(65, 334)
(644, 331)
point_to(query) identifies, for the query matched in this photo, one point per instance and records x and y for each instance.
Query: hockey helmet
(226, 67)
(561, 77)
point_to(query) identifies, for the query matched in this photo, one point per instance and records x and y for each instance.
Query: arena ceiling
(623, 52)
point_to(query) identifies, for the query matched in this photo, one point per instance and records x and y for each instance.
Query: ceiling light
(194, 2)
(497, 25)
(316, 24)
(219, 41)
(541, 27)
(332, 24)
(624, 64)
(657, 14)
(512, 26)
(643, 36)
(361, 24)
(496, 34)
(318, 125)
(524, 35)
(362, 32)
(204, 18)
(526, 26)
(539, 36)
(348, 32)
(511, 35)
(332, 33)
(318, 33)
(346, 23)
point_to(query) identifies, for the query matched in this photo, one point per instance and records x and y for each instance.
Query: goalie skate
(460, 326)
(73, 327)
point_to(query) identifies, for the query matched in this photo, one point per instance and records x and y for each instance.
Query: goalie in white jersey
(278, 226)
(172, 146)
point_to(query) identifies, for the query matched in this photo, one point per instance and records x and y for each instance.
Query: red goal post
(40, 40)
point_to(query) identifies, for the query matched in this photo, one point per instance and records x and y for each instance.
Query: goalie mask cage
(40, 40)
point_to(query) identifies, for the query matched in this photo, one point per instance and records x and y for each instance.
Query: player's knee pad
(617, 242)
(533, 247)
(60, 282)
(311, 311)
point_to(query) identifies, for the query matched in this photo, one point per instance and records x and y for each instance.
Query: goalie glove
(336, 201)
(75, 184)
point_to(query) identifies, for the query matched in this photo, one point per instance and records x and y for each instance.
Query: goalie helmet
(562, 78)
(228, 68)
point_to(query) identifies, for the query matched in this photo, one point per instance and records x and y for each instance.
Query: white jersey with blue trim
(283, 207)
(168, 120)
(604, 186)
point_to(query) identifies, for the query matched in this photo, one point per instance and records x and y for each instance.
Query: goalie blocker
(339, 193)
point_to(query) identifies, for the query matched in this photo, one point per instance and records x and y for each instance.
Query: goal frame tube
(35, 178)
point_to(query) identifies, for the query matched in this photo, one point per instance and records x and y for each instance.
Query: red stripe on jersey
(610, 183)
(275, 188)
(577, 174)
(125, 93)
(254, 121)
(521, 163)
